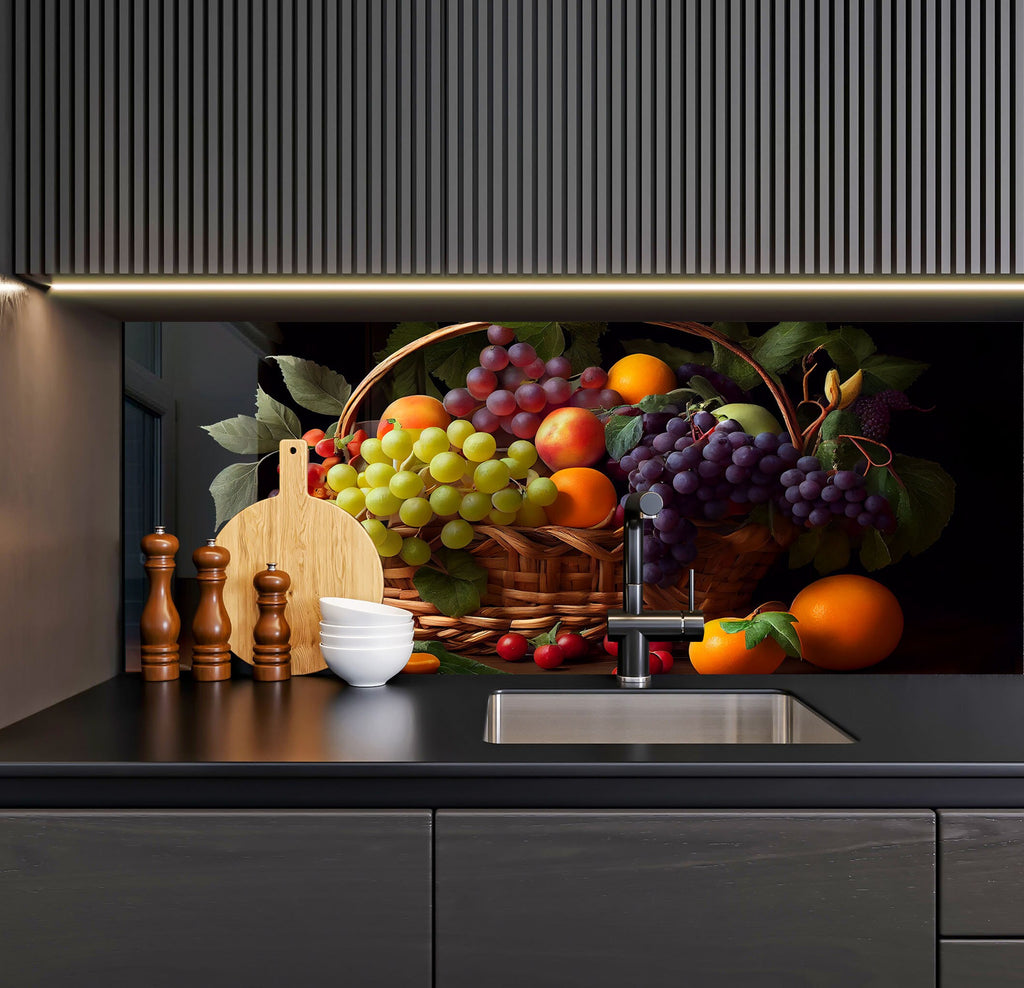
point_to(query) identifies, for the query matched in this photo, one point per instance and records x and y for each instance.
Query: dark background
(962, 598)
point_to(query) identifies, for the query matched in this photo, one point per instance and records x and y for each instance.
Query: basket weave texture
(538, 576)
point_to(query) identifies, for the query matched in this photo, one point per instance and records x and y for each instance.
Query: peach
(413, 412)
(570, 437)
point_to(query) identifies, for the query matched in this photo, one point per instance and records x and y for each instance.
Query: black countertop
(921, 741)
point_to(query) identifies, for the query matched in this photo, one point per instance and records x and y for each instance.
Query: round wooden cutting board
(323, 549)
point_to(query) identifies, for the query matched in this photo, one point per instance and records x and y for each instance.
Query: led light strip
(977, 284)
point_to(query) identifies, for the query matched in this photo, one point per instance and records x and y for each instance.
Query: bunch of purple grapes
(725, 386)
(514, 389)
(812, 497)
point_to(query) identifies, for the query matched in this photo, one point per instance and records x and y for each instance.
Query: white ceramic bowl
(391, 628)
(345, 610)
(361, 666)
(384, 638)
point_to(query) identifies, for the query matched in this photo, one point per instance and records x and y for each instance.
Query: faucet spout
(631, 627)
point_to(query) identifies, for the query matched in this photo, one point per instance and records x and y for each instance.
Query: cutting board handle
(294, 456)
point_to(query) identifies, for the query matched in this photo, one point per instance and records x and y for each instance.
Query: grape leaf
(848, 347)
(882, 372)
(456, 665)
(804, 549)
(836, 453)
(455, 586)
(874, 553)
(704, 388)
(244, 434)
(451, 360)
(784, 345)
(546, 338)
(672, 355)
(622, 433)
(314, 386)
(583, 351)
(736, 331)
(410, 377)
(734, 367)
(924, 505)
(833, 550)
(233, 489)
(279, 419)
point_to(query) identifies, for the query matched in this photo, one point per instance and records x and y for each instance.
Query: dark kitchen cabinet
(607, 898)
(169, 898)
(981, 864)
(981, 963)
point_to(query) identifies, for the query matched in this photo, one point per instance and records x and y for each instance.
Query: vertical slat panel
(509, 136)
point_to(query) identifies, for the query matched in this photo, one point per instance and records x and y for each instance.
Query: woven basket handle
(349, 413)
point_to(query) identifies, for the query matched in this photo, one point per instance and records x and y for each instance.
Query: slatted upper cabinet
(509, 136)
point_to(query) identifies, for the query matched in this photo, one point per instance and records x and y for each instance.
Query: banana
(849, 390)
(833, 391)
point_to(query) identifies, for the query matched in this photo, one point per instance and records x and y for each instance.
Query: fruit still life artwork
(489, 462)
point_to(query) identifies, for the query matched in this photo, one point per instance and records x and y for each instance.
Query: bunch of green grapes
(453, 475)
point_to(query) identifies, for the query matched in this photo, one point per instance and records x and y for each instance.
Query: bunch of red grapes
(514, 389)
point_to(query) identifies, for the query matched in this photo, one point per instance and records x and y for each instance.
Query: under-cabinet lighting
(553, 285)
(8, 287)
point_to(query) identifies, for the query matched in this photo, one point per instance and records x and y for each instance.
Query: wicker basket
(538, 576)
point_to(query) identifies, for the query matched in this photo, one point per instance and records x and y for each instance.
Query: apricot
(570, 437)
(414, 412)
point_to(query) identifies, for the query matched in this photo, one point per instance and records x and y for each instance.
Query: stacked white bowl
(362, 642)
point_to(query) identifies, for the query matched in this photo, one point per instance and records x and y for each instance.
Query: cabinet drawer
(981, 873)
(981, 963)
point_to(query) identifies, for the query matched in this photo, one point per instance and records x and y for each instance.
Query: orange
(415, 413)
(586, 497)
(639, 375)
(722, 654)
(847, 622)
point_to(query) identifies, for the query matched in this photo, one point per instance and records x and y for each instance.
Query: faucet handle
(650, 503)
(690, 595)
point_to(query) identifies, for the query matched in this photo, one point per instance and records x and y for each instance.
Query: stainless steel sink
(656, 717)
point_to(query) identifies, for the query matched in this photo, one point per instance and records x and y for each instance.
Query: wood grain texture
(324, 550)
(981, 963)
(166, 899)
(745, 898)
(981, 870)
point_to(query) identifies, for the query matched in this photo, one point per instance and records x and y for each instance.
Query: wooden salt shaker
(271, 651)
(160, 623)
(211, 627)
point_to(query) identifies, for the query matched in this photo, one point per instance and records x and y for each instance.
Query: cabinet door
(605, 898)
(981, 963)
(214, 898)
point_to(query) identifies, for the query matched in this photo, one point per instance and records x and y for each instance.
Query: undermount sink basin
(655, 717)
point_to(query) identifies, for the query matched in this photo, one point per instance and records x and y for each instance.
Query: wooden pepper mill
(211, 627)
(160, 623)
(271, 651)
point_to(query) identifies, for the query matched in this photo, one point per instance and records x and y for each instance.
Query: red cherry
(612, 648)
(573, 645)
(655, 664)
(355, 443)
(315, 474)
(325, 447)
(330, 462)
(549, 656)
(512, 647)
(312, 437)
(665, 659)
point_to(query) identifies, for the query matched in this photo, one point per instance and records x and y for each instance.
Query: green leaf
(243, 434)
(874, 553)
(672, 355)
(784, 345)
(583, 351)
(280, 421)
(546, 338)
(840, 422)
(402, 335)
(735, 368)
(704, 388)
(836, 453)
(454, 585)
(655, 403)
(233, 489)
(451, 360)
(548, 638)
(924, 506)
(456, 665)
(780, 627)
(448, 594)
(331, 431)
(737, 331)
(410, 377)
(622, 433)
(314, 386)
(882, 372)
(805, 548)
(461, 565)
(848, 347)
(833, 551)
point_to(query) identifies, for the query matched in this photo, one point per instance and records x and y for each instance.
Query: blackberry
(874, 417)
(895, 401)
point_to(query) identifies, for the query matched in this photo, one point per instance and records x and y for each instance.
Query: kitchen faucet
(631, 627)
